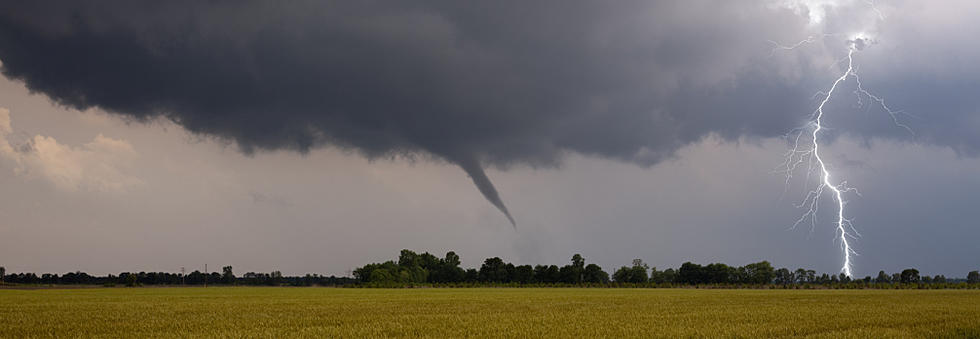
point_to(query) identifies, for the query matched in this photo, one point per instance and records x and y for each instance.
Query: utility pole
(205, 275)
(183, 273)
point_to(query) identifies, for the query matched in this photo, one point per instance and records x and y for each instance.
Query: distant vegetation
(414, 269)
(419, 269)
(226, 277)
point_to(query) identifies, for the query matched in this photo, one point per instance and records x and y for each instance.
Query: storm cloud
(498, 83)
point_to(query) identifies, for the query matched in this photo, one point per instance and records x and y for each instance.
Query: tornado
(472, 168)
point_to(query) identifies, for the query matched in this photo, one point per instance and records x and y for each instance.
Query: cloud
(477, 85)
(99, 165)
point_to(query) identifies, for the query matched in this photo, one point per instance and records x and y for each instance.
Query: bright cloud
(100, 165)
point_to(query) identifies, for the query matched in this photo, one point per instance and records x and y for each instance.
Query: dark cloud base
(486, 84)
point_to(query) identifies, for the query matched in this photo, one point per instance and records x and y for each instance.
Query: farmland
(509, 312)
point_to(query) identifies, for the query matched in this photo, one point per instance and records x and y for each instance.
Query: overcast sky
(314, 137)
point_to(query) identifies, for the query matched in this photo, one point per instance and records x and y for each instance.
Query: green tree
(547, 274)
(883, 278)
(783, 276)
(523, 274)
(471, 275)
(718, 273)
(381, 276)
(408, 258)
(578, 268)
(578, 261)
(429, 262)
(227, 276)
(800, 276)
(449, 270)
(623, 274)
(635, 274)
(275, 278)
(3, 271)
(759, 273)
(690, 273)
(909, 276)
(973, 277)
(669, 276)
(494, 270)
(595, 274)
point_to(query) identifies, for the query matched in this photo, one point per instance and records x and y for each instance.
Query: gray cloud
(488, 84)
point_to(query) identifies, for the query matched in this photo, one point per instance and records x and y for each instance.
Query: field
(503, 312)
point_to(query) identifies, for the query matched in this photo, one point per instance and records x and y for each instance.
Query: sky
(315, 137)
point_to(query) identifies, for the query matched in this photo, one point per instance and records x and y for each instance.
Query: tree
(227, 276)
(577, 270)
(639, 269)
(883, 278)
(547, 274)
(568, 274)
(452, 259)
(718, 273)
(275, 278)
(669, 275)
(783, 276)
(578, 261)
(623, 275)
(408, 259)
(494, 270)
(471, 275)
(800, 276)
(523, 274)
(429, 262)
(973, 277)
(595, 274)
(758, 273)
(381, 276)
(2, 272)
(449, 270)
(690, 273)
(132, 280)
(635, 274)
(909, 276)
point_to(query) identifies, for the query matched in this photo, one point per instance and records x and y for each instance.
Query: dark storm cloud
(476, 84)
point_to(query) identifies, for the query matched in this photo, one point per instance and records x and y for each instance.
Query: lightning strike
(806, 152)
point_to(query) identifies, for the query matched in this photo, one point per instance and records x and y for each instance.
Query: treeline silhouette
(226, 277)
(425, 269)
(413, 269)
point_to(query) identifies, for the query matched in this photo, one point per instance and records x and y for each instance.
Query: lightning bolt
(806, 151)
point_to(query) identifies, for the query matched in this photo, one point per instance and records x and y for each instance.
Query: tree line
(427, 268)
(413, 268)
(196, 278)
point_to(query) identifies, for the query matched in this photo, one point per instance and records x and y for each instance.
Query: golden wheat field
(492, 312)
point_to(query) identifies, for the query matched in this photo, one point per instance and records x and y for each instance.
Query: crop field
(490, 312)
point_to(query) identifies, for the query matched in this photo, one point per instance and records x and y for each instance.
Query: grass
(500, 312)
